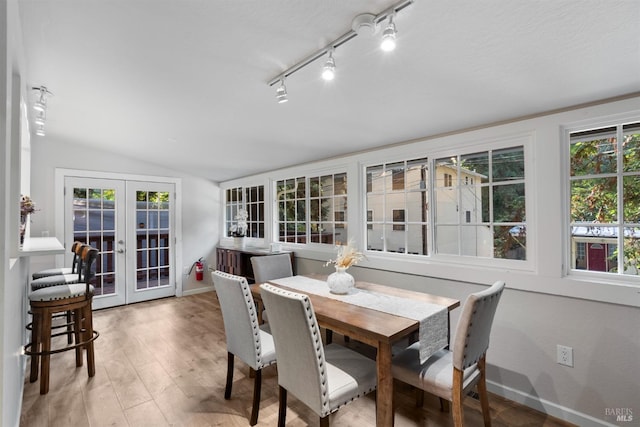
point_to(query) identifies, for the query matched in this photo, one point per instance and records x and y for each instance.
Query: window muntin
(397, 207)
(604, 186)
(251, 199)
(480, 204)
(312, 210)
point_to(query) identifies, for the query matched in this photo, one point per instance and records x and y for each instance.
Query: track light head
(329, 69)
(41, 103)
(389, 36)
(40, 118)
(40, 130)
(281, 92)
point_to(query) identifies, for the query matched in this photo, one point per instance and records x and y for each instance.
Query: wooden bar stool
(48, 301)
(64, 275)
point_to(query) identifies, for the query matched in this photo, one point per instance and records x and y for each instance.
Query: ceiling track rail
(338, 42)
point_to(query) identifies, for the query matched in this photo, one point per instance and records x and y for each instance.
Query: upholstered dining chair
(450, 374)
(244, 337)
(271, 267)
(323, 377)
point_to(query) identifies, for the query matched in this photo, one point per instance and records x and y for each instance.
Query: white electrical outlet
(186, 270)
(565, 355)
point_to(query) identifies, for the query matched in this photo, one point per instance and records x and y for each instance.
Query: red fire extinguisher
(199, 266)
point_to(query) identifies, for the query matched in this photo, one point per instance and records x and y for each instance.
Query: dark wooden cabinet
(234, 260)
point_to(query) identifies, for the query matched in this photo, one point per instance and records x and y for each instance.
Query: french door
(131, 224)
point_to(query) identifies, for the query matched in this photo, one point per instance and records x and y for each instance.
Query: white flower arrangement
(239, 229)
(347, 256)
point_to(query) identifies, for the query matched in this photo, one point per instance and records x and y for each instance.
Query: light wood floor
(163, 363)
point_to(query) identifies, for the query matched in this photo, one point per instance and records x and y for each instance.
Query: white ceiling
(183, 83)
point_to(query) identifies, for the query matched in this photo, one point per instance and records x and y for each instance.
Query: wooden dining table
(376, 328)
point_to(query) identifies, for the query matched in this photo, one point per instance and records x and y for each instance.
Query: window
(251, 199)
(313, 210)
(397, 207)
(604, 182)
(480, 204)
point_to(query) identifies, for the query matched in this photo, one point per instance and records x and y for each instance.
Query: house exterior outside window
(604, 199)
(312, 210)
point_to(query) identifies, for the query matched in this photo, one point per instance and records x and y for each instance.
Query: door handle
(120, 251)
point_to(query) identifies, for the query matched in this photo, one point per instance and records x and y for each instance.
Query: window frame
(601, 277)
(338, 226)
(231, 209)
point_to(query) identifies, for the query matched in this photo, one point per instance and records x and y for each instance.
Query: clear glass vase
(340, 282)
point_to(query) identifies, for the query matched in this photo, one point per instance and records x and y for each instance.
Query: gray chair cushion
(435, 376)
(52, 272)
(45, 282)
(60, 292)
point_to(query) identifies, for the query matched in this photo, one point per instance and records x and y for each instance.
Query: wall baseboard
(546, 407)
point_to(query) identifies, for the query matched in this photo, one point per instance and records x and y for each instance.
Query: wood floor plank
(164, 362)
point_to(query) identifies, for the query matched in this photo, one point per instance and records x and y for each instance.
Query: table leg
(384, 393)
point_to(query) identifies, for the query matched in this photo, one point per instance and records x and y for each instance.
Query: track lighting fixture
(363, 24)
(329, 69)
(389, 36)
(40, 106)
(281, 92)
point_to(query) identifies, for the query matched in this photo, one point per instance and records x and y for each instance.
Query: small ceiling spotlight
(281, 92)
(329, 69)
(41, 103)
(389, 36)
(40, 118)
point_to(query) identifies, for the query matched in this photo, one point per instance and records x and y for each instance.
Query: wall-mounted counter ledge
(35, 246)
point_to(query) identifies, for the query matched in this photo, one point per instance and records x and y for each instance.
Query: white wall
(542, 306)
(200, 198)
(13, 269)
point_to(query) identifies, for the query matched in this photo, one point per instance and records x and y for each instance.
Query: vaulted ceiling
(184, 83)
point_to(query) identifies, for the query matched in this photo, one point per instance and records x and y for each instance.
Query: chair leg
(36, 330)
(482, 392)
(227, 388)
(46, 348)
(77, 327)
(419, 397)
(457, 396)
(282, 407)
(257, 384)
(88, 326)
(68, 316)
(324, 421)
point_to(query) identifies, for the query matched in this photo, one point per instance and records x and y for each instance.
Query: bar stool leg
(36, 329)
(77, 320)
(88, 319)
(46, 348)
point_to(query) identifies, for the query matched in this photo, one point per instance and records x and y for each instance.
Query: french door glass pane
(94, 224)
(152, 234)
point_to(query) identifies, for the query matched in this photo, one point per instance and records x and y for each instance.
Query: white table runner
(434, 324)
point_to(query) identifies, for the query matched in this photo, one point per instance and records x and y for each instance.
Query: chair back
(239, 317)
(271, 267)
(474, 326)
(296, 334)
(88, 257)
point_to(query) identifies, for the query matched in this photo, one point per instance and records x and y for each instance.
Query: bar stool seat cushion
(52, 272)
(60, 292)
(49, 281)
